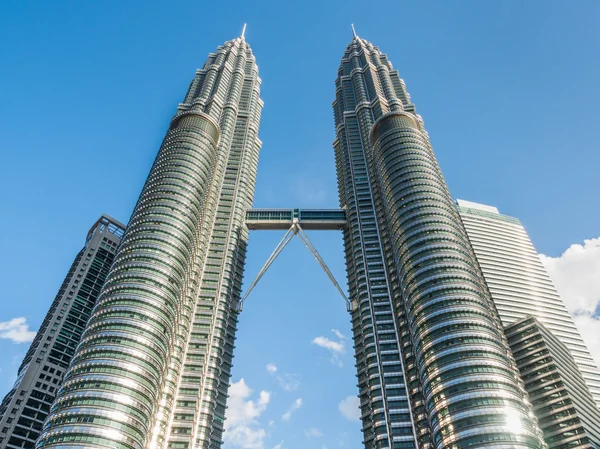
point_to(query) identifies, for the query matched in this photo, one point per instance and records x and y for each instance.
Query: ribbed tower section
(153, 366)
(434, 367)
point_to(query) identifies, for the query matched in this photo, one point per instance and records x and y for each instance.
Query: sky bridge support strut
(295, 229)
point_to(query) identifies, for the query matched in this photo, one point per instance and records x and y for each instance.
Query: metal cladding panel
(153, 366)
(283, 219)
(469, 381)
(434, 367)
(363, 88)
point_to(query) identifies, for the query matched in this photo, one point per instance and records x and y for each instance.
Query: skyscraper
(153, 366)
(519, 283)
(434, 367)
(40, 375)
(563, 404)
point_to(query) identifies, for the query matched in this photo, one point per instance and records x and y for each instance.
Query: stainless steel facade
(519, 283)
(153, 366)
(566, 411)
(26, 406)
(434, 367)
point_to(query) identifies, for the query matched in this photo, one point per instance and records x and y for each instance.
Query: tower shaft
(154, 363)
(434, 367)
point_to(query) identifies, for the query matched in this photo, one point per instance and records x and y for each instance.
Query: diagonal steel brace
(295, 229)
(309, 245)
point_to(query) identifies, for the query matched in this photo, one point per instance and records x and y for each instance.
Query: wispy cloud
(279, 445)
(242, 428)
(336, 348)
(576, 275)
(343, 438)
(338, 334)
(333, 346)
(287, 381)
(313, 432)
(349, 408)
(16, 330)
(295, 406)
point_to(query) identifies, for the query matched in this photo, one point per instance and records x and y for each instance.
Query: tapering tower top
(353, 30)
(243, 32)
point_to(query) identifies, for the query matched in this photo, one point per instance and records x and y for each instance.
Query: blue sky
(508, 90)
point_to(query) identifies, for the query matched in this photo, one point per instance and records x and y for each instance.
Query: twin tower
(153, 365)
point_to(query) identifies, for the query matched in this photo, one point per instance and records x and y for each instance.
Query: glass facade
(153, 366)
(519, 283)
(26, 406)
(316, 219)
(434, 367)
(566, 411)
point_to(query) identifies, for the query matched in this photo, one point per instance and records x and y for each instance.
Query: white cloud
(576, 275)
(278, 446)
(333, 346)
(242, 428)
(245, 437)
(16, 330)
(336, 348)
(349, 408)
(287, 381)
(338, 334)
(313, 432)
(295, 406)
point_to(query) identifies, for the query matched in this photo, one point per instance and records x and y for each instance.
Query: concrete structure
(26, 406)
(519, 283)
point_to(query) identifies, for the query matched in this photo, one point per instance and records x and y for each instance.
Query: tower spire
(353, 30)
(243, 32)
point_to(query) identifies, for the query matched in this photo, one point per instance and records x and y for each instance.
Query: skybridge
(308, 219)
(296, 221)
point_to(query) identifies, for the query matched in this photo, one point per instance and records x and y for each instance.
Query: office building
(563, 404)
(519, 283)
(434, 367)
(26, 406)
(153, 366)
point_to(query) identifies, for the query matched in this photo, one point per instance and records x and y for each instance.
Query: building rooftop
(472, 205)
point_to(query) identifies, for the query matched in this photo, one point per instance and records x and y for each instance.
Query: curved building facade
(26, 406)
(153, 366)
(427, 335)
